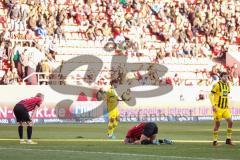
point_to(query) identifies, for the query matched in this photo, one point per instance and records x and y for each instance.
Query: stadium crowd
(185, 29)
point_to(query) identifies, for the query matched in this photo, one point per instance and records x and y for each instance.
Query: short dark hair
(223, 74)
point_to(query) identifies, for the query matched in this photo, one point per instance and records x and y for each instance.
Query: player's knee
(30, 124)
(230, 123)
(112, 120)
(216, 125)
(110, 127)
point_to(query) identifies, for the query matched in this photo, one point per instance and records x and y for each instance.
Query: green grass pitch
(88, 142)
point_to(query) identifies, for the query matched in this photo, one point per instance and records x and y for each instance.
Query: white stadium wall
(233, 57)
(181, 104)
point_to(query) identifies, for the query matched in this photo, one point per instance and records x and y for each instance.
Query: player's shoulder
(215, 84)
(228, 84)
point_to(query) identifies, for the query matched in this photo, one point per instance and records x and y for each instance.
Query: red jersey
(136, 131)
(31, 103)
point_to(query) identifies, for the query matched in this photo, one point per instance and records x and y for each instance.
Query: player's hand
(32, 122)
(214, 109)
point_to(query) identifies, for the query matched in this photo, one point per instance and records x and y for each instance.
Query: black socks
(20, 132)
(29, 132)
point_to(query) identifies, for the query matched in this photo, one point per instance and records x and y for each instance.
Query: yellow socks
(215, 135)
(229, 133)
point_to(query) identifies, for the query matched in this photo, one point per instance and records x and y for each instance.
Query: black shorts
(21, 113)
(150, 129)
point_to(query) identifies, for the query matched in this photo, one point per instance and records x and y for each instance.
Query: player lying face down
(144, 133)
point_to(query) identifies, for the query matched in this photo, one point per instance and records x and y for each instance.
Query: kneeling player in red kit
(144, 133)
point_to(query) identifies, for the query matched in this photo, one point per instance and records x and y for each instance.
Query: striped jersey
(31, 103)
(221, 91)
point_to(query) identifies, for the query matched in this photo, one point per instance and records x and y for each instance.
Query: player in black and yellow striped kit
(220, 107)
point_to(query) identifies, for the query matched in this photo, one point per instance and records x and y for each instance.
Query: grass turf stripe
(108, 140)
(110, 153)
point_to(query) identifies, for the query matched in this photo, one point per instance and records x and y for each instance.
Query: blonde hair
(39, 95)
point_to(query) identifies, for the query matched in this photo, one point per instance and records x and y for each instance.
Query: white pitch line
(108, 140)
(110, 153)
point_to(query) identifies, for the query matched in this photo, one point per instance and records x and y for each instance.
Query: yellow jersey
(112, 99)
(221, 91)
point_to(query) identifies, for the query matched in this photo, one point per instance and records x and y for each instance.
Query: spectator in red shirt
(144, 133)
(21, 112)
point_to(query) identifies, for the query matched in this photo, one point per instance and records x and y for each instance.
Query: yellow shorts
(113, 114)
(221, 113)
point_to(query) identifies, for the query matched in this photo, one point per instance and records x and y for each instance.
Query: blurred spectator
(59, 33)
(24, 13)
(188, 29)
(168, 81)
(15, 78)
(3, 22)
(176, 80)
(24, 60)
(4, 80)
(53, 48)
(39, 70)
(234, 75)
(29, 35)
(16, 56)
(14, 16)
(8, 77)
(46, 69)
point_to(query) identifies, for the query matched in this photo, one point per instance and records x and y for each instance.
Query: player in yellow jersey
(113, 113)
(220, 107)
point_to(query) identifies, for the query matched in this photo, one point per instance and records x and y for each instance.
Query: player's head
(224, 76)
(40, 95)
(113, 84)
(150, 129)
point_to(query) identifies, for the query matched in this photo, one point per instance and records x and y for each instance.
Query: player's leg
(229, 131)
(110, 126)
(29, 128)
(19, 112)
(154, 140)
(217, 118)
(116, 120)
(29, 132)
(215, 132)
(113, 122)
(227, 115)
(20, 132)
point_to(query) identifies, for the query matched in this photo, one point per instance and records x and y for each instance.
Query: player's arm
(38, 104)
(211, 96)
(127, 141)
(120, 99)
(105, 97)
(143, 140)
(34, 112)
